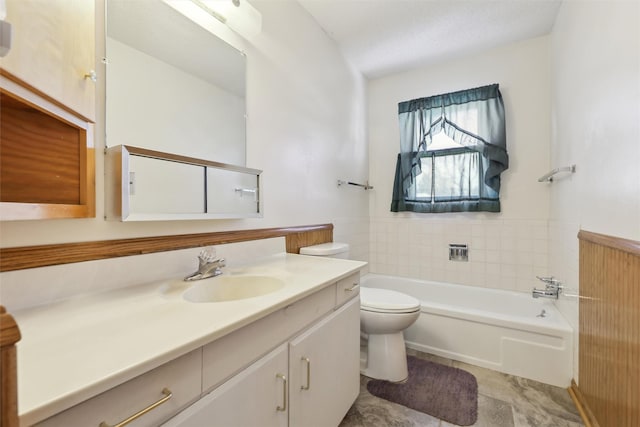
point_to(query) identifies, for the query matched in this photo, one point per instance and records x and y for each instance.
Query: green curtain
(421, 119)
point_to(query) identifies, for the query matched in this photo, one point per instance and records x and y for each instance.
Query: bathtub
(501, 330)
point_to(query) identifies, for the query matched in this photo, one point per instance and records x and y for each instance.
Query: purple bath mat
(450, 394)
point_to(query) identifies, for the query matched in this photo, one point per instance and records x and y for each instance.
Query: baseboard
(578, 399)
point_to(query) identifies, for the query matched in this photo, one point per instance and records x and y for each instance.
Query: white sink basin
(230, 288)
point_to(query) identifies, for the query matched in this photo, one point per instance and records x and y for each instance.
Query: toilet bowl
(384, 315)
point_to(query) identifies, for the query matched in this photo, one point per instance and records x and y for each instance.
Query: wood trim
(609, 329)
(9, 336)
(19, 258)
(41, 94)
(581, 404)
(625, 245)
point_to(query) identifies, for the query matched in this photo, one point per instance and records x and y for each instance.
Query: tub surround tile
(508, 243)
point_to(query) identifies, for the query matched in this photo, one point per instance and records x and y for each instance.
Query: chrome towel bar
(366, 186)
(548, 177)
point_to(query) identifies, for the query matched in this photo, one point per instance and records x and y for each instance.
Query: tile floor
(503, 401)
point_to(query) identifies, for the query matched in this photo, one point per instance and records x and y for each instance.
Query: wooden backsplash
(40, 256)
(609, 370)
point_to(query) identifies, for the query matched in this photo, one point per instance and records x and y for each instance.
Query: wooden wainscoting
(609, 371)
(20, 258)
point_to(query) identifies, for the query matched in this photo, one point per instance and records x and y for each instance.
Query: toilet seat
(387, 301)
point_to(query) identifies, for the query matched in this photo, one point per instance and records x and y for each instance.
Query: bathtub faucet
(553, 288)
(208, 266)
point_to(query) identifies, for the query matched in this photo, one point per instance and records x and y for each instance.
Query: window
(453, 150)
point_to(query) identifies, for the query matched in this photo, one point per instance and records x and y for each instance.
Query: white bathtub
(495, 329)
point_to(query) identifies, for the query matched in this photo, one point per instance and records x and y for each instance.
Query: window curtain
(420, 119)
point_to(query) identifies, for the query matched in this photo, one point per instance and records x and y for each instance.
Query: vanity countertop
(77, 348)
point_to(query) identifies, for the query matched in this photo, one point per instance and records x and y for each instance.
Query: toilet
(384, 315)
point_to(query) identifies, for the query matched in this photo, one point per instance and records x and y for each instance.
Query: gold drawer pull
(352, 288)
(306, 387)
(167, 395)
(284, 393)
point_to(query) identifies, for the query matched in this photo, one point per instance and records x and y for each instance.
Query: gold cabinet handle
(284, 393)
(352, 288)
(302, 387)
(167, 395)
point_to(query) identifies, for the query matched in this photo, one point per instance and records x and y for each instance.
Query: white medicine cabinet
(146, 185)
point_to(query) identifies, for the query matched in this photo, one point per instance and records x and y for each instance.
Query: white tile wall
(503, 253)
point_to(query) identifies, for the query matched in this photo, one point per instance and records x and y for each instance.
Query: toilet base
(386, 358)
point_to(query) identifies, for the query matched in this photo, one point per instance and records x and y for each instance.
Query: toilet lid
(386, 300)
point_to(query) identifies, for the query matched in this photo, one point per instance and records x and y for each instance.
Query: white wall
(596, 116)
(507, 249)
(305, 130)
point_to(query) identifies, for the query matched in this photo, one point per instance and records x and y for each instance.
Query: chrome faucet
(553, 288)
(208, 266)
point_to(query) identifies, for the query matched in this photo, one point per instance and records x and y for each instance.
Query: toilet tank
(330, 250)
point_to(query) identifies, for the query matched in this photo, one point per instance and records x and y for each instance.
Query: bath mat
(447, 393)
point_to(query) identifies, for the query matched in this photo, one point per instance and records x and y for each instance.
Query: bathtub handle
(352, 288)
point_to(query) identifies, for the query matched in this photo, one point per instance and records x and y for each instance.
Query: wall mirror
(173, 87)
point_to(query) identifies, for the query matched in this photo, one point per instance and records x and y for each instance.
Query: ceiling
(381, 37)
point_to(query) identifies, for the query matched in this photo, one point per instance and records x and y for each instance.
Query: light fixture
(238, 15)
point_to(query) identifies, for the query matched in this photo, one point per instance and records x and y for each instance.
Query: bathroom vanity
(283, 358)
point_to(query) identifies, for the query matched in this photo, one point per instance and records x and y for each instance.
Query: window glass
(449, 175)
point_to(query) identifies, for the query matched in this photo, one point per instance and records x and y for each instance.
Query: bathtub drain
(543, 313)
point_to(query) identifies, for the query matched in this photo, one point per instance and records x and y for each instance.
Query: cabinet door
(257, 396)
(53, 47)
(324, 367)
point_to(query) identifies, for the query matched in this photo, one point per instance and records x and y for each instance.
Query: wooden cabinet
(47, 110)
(47, 167)
(53, 48)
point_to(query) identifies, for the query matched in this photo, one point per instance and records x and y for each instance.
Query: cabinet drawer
(180, 376)
(347, 288)
(231, 353)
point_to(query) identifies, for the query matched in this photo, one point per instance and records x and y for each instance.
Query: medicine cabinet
(147, 185)
(175, 118)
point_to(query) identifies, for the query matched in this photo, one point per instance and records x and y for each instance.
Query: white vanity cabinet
(296, 366)
(257, 396)
(311, 379)
(324, 369)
